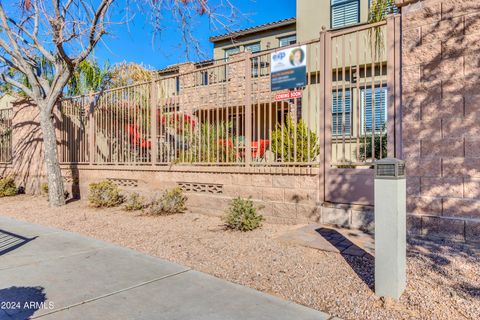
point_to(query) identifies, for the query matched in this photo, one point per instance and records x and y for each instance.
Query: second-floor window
(253, 47)
(286, 41)
(344, 13)
(230, 51)
(177, 84)
(204, 78)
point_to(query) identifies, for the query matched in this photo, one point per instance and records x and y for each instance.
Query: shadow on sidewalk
(11, 241)
(21, 303)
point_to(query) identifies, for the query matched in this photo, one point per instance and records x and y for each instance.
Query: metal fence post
(248, 109)
(57, 120)
(327, 110)
(91, 130)
(154, 121)
(393, 83)
(321, 114)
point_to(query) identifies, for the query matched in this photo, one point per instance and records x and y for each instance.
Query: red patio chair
(136, 138)
(226, 143)
(259, 148)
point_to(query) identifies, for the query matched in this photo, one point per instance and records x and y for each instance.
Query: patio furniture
(259, 148)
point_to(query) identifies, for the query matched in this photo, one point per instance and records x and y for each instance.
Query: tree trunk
(54, 175)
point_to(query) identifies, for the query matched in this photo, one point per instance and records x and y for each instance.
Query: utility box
(390, 228)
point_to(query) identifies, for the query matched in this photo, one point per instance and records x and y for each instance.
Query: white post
(390, 228)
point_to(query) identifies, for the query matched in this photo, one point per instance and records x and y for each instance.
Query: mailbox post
(390, 228)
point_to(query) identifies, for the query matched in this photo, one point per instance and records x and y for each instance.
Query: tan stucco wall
(312, 15)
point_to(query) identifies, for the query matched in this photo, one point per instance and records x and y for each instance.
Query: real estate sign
(288, 68)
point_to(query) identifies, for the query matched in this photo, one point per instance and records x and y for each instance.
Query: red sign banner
(288, 95)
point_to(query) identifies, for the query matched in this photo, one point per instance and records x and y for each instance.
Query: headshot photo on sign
(296, 57)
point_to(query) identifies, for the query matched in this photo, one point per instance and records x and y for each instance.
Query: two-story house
(358, 77)
(311, 17)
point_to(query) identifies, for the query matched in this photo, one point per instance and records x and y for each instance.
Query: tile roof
(176, 66)
(262, 27)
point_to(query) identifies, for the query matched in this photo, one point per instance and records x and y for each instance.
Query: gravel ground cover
(443, 277)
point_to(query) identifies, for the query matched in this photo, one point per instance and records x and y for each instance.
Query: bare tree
(63, 33)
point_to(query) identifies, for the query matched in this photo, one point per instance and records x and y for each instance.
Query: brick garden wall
(441, 116)
(284, 198)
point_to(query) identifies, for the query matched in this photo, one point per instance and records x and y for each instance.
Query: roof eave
(268, 26)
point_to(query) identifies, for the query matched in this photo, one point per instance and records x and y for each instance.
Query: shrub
(44, 187)
(208, 143)
(7, 187)
(242, 215)
(289, 135)
(170, 202)
(365, 148)
(104, 194)
(44, 190)
(134, 202)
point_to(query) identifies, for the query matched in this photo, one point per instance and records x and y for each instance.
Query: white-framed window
(204, 77)
(288, 40)
(344, 13)
(376, 120)
(341, 112)
(253, 47)
(177, 84)
(230, 51)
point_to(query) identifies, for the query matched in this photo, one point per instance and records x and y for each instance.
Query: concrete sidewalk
(53, 274)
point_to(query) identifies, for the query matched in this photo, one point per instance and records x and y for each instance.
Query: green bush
(134, 202)
(104, 194)
(170, 202)
(289, 135)
(44, 190)
(44, 187)
(242, 215)
(7, 187)
(209, 143)
(365, 148)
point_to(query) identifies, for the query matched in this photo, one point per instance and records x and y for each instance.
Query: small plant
(379, 10)
(134, 202)
(208, 143)
(44, 187)
(170, 202)
(7, 187)
(44, 190)
(104, 194)
(242, 215)
(380, 147)
(294, 142)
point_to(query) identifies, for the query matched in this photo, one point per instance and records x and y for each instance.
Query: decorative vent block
(201, 187)
(124, 182)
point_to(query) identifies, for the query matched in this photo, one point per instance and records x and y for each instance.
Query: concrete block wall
(289, 198)
(283, 198)
(441, 116)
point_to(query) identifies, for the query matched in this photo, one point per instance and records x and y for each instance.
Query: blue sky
(133, 41)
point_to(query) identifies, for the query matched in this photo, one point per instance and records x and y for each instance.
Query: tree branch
(17, 84)
(18, 57)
